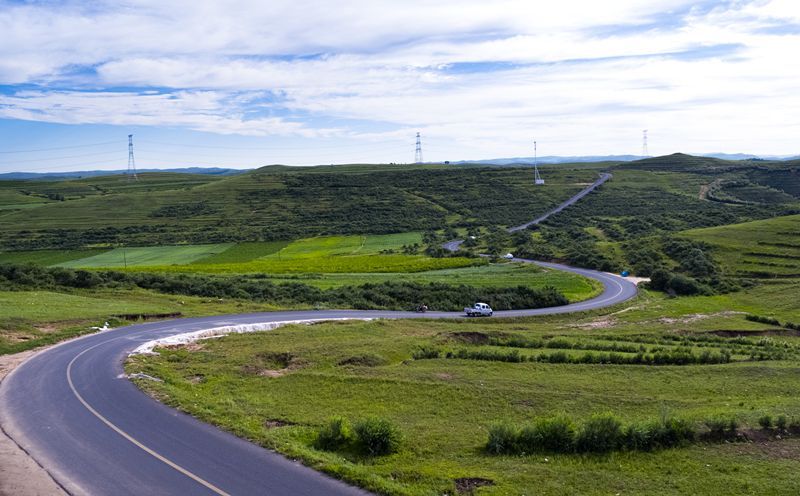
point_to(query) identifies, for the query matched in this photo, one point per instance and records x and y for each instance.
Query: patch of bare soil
(688, 319)
(193, 346)
(443, 376)
(768, 446)
(600, 323)
(20, 475)
(273, 364)
(467, 485)
(197, 379)
(275, 423)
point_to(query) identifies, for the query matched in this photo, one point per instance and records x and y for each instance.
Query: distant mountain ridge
(213, 171)
(557, 159)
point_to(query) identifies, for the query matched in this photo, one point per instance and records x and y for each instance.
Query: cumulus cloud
(481, 78)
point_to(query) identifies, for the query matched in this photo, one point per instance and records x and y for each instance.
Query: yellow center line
(130, 438)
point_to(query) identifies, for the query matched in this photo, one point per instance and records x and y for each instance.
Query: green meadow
(277, 388)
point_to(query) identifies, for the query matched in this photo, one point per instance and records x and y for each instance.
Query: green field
(29, 319)
(47, 257)
(765, 248)
(140, 257)
(574, 287)
(444, 407)
(244, 252)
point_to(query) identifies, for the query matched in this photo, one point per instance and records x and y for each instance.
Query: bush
(425, 353)
(502, 439)
(376, 436)
(333, 436)
(762, 320)
(765, 421)
(721, 428)
(556, 435)
(781, 422)
(600, 434)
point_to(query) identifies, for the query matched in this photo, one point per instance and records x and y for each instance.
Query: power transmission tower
(537, 179)
(418, 152)
(645, 153)
(131, 162)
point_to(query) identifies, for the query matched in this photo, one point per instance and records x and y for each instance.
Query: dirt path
(20, 475)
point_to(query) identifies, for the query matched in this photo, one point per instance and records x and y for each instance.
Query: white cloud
(584, 76)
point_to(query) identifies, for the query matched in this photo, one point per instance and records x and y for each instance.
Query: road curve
(71, 408)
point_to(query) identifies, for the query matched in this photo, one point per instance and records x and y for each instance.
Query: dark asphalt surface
(96, 433)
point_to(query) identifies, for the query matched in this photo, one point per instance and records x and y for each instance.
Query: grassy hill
(764, 249)
(272, 203)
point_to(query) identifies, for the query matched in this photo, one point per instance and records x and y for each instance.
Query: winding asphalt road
(72, 409)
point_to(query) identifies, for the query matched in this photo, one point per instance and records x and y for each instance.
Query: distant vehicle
(508, 256)
(478, 310)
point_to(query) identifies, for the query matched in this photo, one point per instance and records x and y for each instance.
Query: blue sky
(243, 83)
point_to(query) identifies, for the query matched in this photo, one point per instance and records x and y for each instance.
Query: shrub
(765, 421)
(721, 428)
(376, 436)
(639, 437)
(671, 432)
(333, 436)
(502, 439)
(425, 353)
(601, 433)
(781, 422)
(556, 434)
(762, 320)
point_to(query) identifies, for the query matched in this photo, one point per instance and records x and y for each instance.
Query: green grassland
(29, 319)
(574, 287)
(156, 255)
(444, 407)
(764, 248)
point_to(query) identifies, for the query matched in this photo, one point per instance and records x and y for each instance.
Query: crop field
(701, 359)
(244, 252)
(766, 248)
(139, 257)
(343, 264)
(47, 257)
(501, 275)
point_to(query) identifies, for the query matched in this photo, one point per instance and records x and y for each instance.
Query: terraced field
(763, 249)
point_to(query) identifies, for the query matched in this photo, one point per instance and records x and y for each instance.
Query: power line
(60, 148)
(272, 148)
(50, 159)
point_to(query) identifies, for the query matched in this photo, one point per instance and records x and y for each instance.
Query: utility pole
(537, 179)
